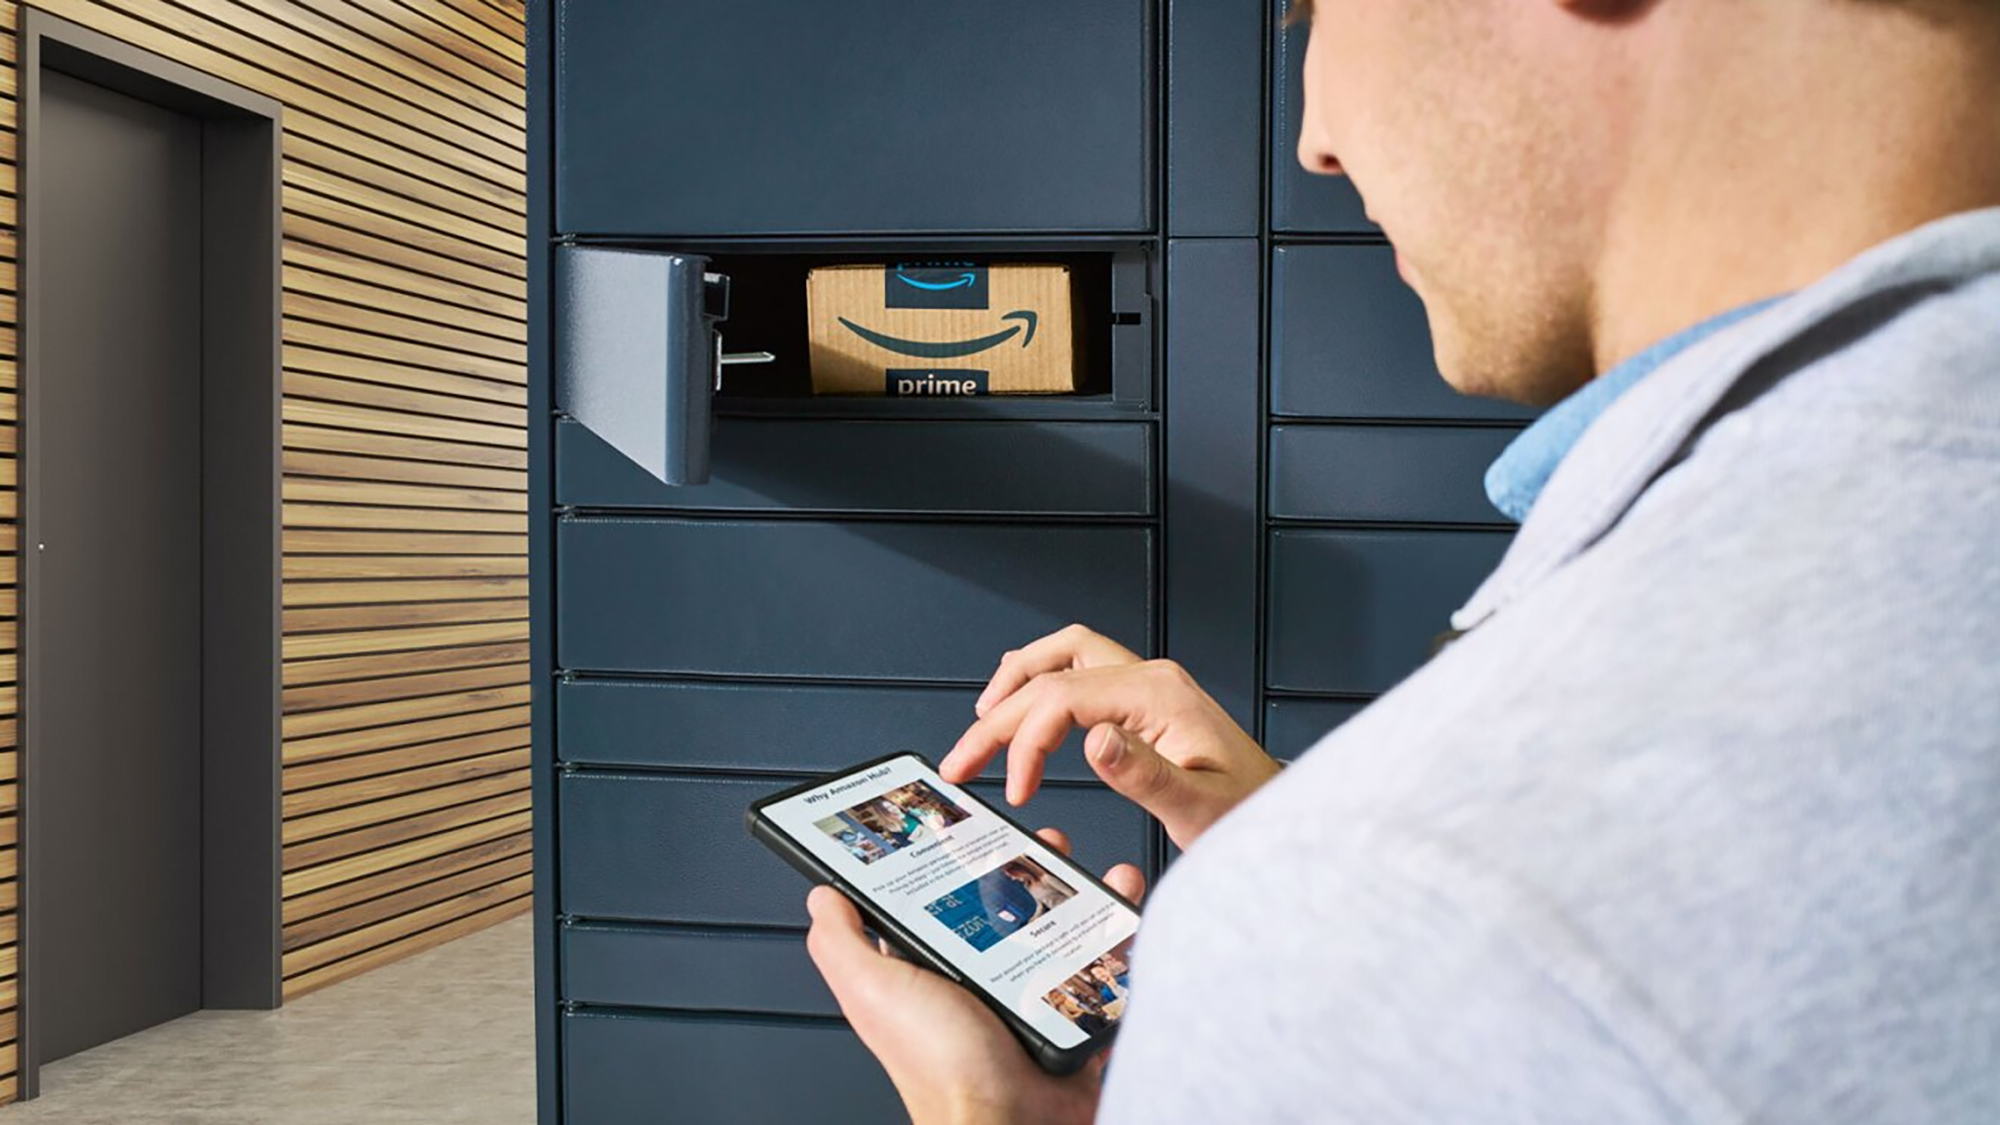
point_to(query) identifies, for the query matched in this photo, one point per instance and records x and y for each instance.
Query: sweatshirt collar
(1522, 470)
(1640, 435)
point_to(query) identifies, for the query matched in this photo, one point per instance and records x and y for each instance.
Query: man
(1696, 821)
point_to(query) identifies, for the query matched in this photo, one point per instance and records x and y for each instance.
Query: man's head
(1557, 175)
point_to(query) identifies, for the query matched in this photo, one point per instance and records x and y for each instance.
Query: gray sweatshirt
(1700, 822)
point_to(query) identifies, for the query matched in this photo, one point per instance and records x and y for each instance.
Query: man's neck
(1777, 148)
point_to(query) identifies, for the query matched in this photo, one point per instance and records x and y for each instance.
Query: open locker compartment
(645, 337)
(1109, 299)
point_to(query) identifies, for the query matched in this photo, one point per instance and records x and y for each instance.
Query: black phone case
(1054, 1059)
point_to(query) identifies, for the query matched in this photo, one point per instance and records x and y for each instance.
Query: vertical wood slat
(403, 217)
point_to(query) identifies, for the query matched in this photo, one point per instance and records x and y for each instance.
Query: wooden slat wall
(405, 535)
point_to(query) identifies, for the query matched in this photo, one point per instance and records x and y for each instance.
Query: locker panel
(762, 971)
(629, 1069)
(1356, 611)
(1062, 468)
(860, 599)
(1292, 725)
(1214, 531)
(803, 117)
(1215, 116)
(636, 356)
(802, 728)
(1425, 473)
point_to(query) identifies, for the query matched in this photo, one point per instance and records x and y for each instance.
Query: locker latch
(715, 305)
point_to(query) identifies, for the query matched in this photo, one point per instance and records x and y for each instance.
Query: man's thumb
(1129, 765)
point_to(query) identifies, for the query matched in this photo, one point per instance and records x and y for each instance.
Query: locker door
(866, 116)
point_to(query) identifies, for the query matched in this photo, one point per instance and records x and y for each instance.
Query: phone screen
(1010, 914)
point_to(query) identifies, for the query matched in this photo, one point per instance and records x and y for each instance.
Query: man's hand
(1155, 736)
(952, 1060)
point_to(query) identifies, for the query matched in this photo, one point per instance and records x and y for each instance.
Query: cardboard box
(941, 328)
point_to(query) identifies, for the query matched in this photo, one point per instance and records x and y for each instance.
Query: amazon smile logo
(962, 281)
(949, 349)
(934, 285)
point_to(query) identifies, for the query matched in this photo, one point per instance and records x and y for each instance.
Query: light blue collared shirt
(1517, 476)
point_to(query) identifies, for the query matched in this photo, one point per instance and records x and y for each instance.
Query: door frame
(241, 646)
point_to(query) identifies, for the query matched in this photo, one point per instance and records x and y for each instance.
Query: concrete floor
(446, 1035)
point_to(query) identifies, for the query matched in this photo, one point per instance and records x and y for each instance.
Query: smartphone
(958, 886)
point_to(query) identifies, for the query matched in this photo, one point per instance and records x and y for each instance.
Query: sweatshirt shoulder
(1922, 363)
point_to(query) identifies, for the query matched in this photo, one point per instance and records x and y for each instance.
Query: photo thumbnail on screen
(883, 825)
(1000, 902)
(1095, 997)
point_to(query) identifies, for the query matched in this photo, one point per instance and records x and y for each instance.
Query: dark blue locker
(639, 354)
(1355, 611)
(834, 579)
(866, 116)
(649, 1069)
(1293, 724)
(1057, 468)
(1350, 340)
(692, 967)
(1422, 473)
(782, 727)
(852, 599)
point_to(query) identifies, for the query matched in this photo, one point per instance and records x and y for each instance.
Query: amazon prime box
(941, 328)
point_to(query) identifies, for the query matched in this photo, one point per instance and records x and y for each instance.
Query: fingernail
(1110, 747)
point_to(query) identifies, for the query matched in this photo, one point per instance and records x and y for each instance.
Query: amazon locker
(739, 579)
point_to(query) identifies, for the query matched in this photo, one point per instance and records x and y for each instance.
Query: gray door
(117, 728)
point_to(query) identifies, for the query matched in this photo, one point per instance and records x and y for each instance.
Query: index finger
(990, 732)
(1072, 646)
(1033, 722)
